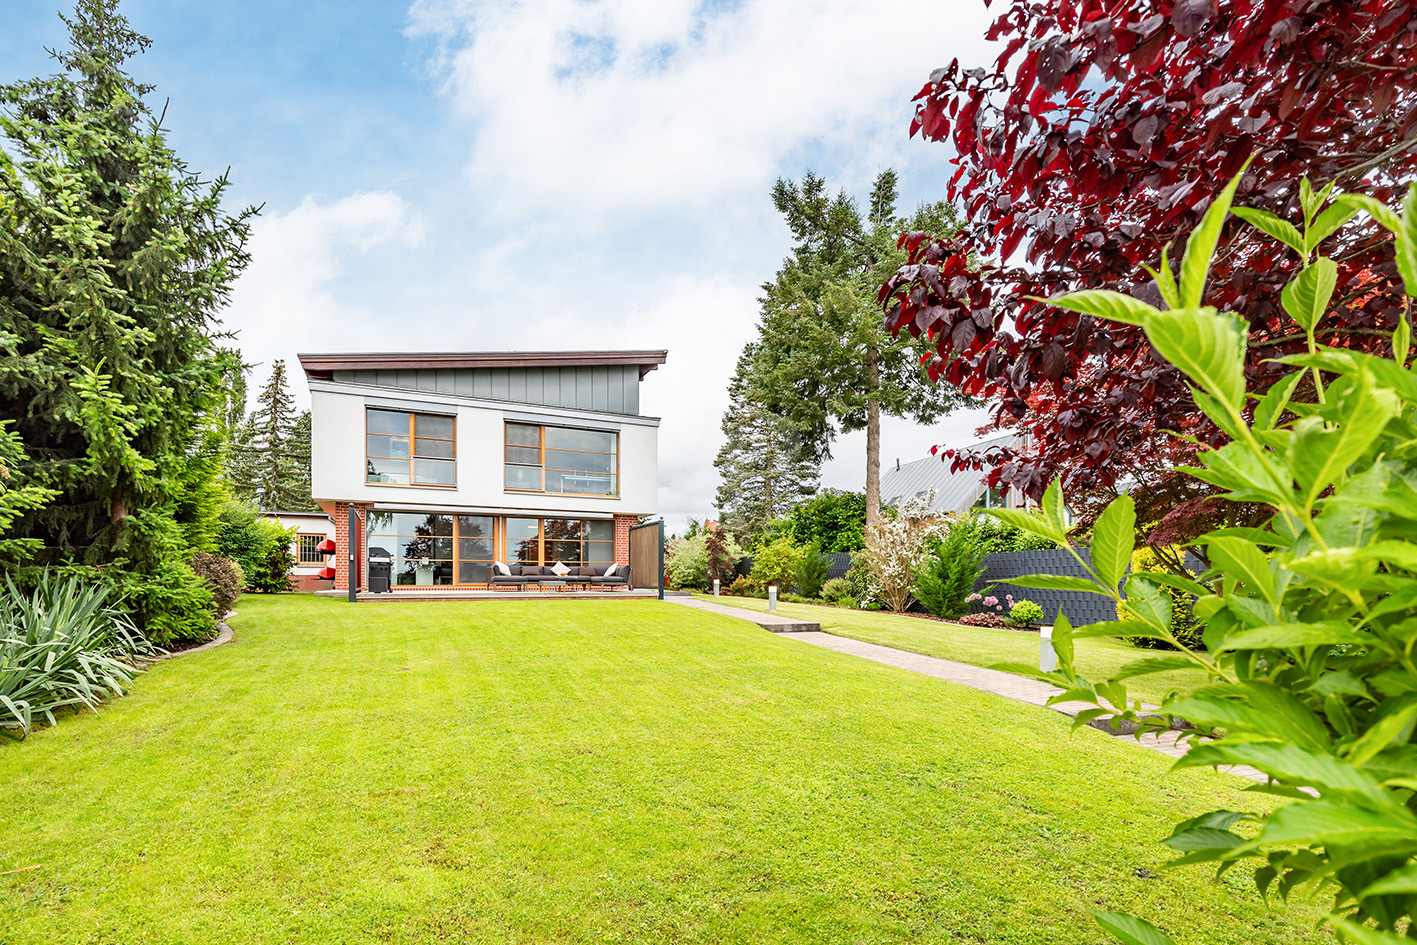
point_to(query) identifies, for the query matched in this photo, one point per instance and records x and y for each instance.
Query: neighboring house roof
(954, 491)
(323, 365)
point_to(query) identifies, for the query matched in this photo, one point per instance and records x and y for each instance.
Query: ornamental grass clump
(64, 644)
(1308, 618)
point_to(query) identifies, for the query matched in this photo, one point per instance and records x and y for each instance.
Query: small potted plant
(1025, 615)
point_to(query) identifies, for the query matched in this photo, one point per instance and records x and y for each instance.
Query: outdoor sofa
(542, 576)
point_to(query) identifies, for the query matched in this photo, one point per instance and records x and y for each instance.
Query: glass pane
(599, 529)
(474, 572)
(567, 552)
(409, 523)
(475, 548)
(421, 574)
(525, 455)
(524, 477)
(433, 472)
(520, 434)
(563, 528)
(386, 470)
(436, 448)
(523, 527)
(527, 551)
(599, 552)
(580, 462)
(566, 439)
(580, 482)
(377, 444)
(475, 526)
(388, 421)
(429, 425)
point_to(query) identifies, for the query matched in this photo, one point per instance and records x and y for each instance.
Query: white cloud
(592, 111)
(289, 298)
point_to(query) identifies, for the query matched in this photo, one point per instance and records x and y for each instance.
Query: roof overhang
(323, 366)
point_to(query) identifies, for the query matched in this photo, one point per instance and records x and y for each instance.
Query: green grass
(1096, 658)
(579, 771)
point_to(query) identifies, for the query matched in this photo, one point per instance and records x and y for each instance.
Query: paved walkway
(773, 622)
(1008, 685)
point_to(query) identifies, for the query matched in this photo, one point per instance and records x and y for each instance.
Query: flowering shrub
(1025, 614)
(895, 548)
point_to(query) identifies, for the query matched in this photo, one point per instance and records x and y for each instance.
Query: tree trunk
(873, 441)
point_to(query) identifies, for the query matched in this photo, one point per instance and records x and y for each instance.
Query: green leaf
(1054, 509)
(1293, 765)
(1113, 537)
(1118, 628)
(1306, 298)
(1407, 242)
(1241, 717)
(1400, 882)
(1063, 641)
(1204, 238)
(1277, 227)
(1395, 720)
(1402, 339)
(1320, 457)
(1244, 560)
(1203, 838)
(1106, 304)
(1056, 582)
(1166, 280)
(1189, 585)
(1207, 347)
(1339, 824)
(1365, 935)
(1147, 601)
(1327, 223)
(1284, 635)
(1154, 664)
(1276, 399)
(1130, 930)
(1030, 523)
(1381, 213)
(1401, 554)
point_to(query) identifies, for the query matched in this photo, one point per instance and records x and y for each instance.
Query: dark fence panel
(1081, 607)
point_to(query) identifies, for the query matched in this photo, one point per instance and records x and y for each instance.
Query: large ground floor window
(429, 550)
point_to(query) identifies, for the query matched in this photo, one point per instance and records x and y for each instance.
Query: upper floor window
(414, 449)
(562, 459)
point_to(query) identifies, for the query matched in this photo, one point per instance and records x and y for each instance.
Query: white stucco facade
(338, 459)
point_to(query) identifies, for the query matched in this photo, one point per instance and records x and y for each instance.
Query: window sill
(408, 485)
(573, 495)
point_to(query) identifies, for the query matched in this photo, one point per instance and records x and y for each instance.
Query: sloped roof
(322, 365)
(954, 492)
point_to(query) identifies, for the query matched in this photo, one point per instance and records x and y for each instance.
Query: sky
(459, 175)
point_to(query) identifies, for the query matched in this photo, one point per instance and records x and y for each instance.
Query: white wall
(337, 464)
(306, 525)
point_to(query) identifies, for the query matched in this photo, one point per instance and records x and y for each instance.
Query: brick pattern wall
(623, 524)
(341, 555)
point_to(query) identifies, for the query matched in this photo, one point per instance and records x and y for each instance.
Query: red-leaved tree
(1099, 137)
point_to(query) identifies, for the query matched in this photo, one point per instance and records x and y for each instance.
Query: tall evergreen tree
(272, 423)
(825, 361)
(296, 487)
(764, 468)
(114, 260)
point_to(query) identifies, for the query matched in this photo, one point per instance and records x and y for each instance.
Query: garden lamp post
(772, 598)
(715, 587)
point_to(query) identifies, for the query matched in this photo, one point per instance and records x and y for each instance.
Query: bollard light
(1047, 657)
(772, 598)
(715, 587)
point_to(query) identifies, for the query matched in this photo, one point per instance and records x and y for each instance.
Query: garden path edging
(224, 635)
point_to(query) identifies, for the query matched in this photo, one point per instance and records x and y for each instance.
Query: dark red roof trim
(322, 366)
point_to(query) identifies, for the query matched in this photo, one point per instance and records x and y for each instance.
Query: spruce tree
(764, 467)
(295, 487)
(272, 423)
(114, 261)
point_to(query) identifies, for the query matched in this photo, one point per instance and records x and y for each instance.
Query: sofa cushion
(559, 569)
(530, 570)
(501, 568)
(587, 571)
(610, 571)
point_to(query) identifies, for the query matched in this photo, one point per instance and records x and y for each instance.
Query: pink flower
(990, 601)
(971, 598)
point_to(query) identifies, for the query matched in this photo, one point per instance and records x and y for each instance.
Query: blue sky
(464, 175)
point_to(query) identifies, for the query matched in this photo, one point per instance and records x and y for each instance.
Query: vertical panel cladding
(599, 389)
(463, 382)
(536, 385)
(584, 384)
(481, 382)
(443, 381)
(551, 387)
(568, 388)
(1081, 608)
(501, 384)
(632, 390)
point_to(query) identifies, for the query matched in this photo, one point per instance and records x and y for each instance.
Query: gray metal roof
(954, 492)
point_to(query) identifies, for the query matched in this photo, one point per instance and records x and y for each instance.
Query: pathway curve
(1008, 685)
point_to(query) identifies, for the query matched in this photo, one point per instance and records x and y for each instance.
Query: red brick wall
(623, 524)
(341, 555)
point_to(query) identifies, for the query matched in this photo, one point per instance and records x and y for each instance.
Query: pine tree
(114, 261)
(295, 487)
(272, 423)
(763, 465)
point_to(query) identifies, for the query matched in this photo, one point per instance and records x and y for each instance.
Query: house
(454, 461)
(311, 529)
(955, 492)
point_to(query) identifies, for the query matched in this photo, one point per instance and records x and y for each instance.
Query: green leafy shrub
(834, 519)
(742, 586)
(1025, 613)
(259, 546)
(63, 644)
(222, 577)
(848, 602)
(687, 562)
(1184, 625)
(949, 571)
(1307, 618)
(836, 589)
(776, 563)
(812, 571)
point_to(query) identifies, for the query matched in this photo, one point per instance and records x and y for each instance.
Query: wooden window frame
(319, 555)
(413, 438)
(541, 449)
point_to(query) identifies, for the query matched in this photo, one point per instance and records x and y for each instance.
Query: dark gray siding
(608, 389)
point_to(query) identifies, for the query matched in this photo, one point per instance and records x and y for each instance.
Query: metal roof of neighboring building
(954, 491)
(323, 365)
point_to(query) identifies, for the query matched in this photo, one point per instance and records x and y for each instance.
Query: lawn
(1096, 658)
(578, 771)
